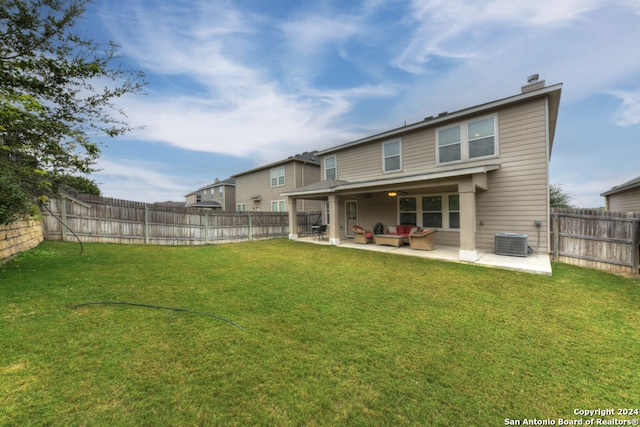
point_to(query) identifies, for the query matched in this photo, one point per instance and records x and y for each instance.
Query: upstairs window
(482, 138)
(472, 140)
(277, 176)
(330, 168)
(392, 156)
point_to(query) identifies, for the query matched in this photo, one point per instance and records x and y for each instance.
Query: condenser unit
(512, 244)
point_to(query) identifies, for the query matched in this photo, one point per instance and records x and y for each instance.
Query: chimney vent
(533, 83)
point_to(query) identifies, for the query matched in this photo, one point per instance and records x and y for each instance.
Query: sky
(232, 85)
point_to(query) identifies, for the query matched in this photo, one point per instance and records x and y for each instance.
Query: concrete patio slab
(535, 263)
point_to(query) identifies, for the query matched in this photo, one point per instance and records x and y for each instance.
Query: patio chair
(361, 235)
(319, 231)
(422, 240)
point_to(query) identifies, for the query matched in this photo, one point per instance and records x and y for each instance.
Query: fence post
(146, 224)
(556, 236)
(635, 245)
(63, 210)
(250, 227)
(206, 227)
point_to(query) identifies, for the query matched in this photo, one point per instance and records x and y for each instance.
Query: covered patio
(378, 201)
(534, 263)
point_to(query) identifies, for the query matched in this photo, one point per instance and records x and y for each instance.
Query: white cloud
(310, 33)
(629, 112)
(140, 181)
(237, 108)
(464, 29)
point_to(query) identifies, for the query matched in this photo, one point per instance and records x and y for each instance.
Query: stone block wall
(19, 236)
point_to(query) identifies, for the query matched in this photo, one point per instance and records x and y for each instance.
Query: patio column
(334, 218)
(466, 190)
(293, 218)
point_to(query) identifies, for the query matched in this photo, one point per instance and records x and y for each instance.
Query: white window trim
(445, 209)
(464, 141)
(384, 166)
(284, 174)
(335, 167)
(241, 207)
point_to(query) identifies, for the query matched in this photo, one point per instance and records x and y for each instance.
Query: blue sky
(236, 84)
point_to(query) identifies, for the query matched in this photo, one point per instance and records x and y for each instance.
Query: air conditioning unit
(512, 244)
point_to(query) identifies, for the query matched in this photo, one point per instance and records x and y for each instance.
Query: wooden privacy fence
(106, 220)
(597, 239)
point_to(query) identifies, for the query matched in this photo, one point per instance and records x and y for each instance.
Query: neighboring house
(221, 195)
(261, 189)
(625, 197)
(471, 174)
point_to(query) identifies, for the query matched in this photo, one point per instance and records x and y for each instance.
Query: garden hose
(162, 307)
(65, 225)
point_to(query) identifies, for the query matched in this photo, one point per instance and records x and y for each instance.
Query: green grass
(334, 336)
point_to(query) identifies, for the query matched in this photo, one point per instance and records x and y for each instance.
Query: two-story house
(471, 174)
(220, 195)
(261, 189)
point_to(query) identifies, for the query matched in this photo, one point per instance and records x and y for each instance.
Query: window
(327, 212)
(221, 193)
(454, 211)
(241, 207)
(278, 206)
(391, 152)
(449, 144)
(277, 176)
(408, 211)
(481, 138)
(330, 168)
(432, 211)
(472, 140)
(198, 198)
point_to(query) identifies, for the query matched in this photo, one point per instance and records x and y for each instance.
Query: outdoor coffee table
(385, 239)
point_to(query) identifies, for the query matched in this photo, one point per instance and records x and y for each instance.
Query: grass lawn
(333, 336)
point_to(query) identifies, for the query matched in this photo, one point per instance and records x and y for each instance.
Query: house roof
(218, 183)
(229, 182)
(333, 186)
(205, 204)
(310, 157)
(634, 183)
(553, 92)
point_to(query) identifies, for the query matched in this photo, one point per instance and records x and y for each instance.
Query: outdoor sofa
(396, 235)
